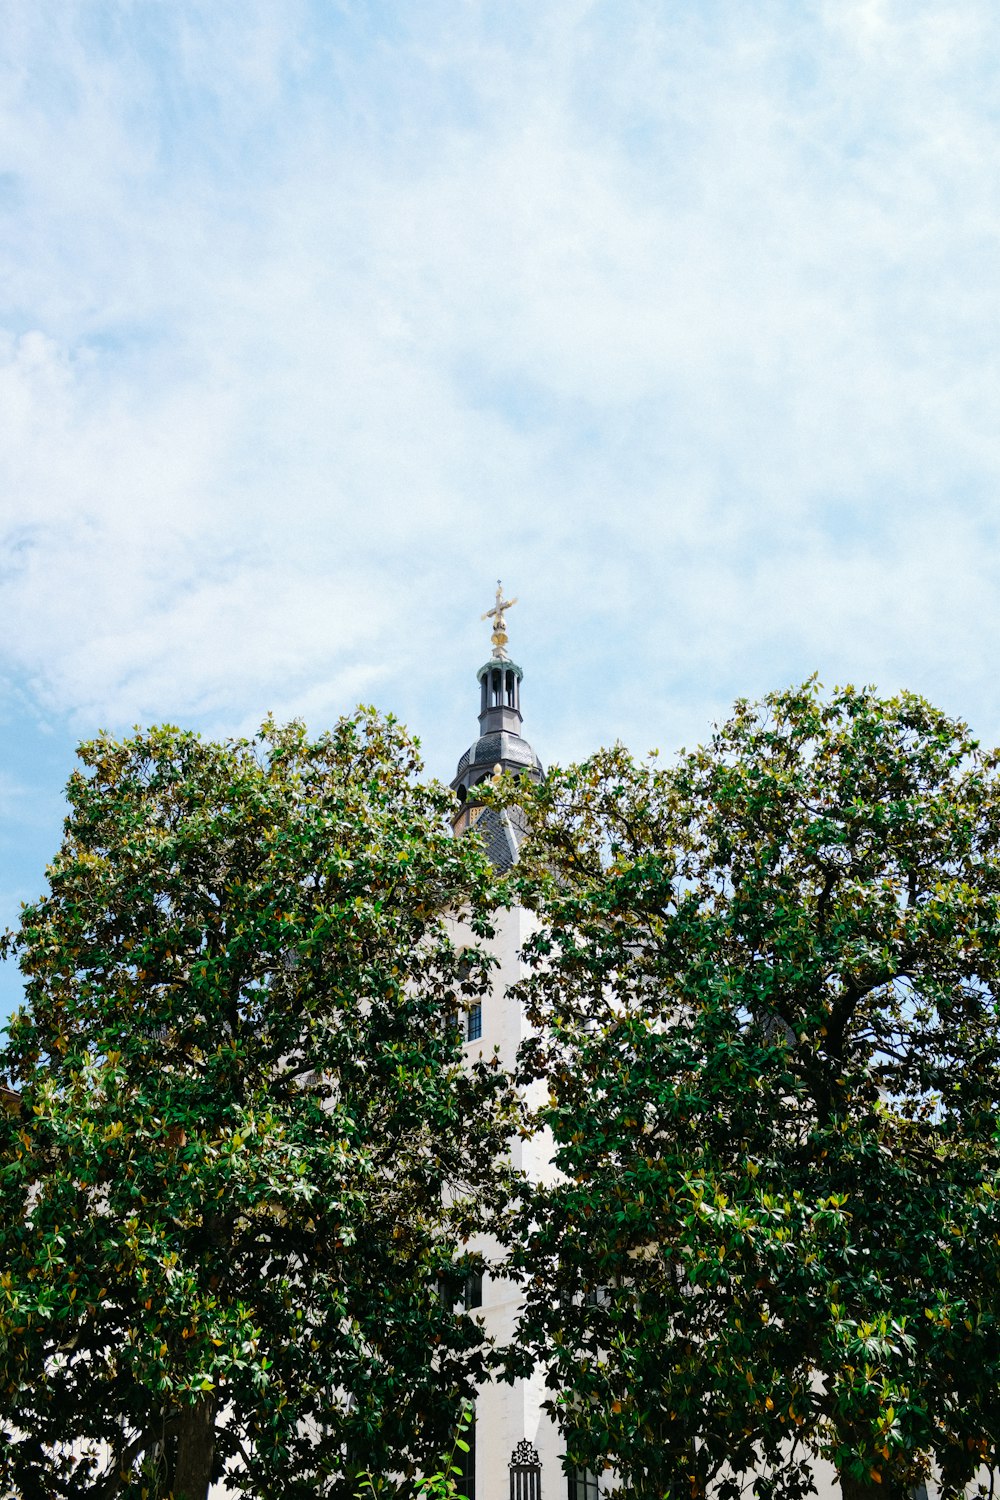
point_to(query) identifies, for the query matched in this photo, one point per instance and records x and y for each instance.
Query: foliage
(248, 1153)
(765, 983)
(442, 1484)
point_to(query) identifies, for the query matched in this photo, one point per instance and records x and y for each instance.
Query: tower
(500, 747)
(515, 1450)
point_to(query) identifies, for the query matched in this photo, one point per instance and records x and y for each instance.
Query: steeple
(500, 678)
(500, 746)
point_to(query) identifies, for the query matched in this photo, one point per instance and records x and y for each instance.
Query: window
(525, 1472)
(465, 1479)
(474, 1290)
(597, 1296)
(474, 1022)
(582, 1485)
(591, 1296)
(461, 1292)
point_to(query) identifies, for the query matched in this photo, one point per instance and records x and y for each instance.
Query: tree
(248, 1156)
(765, 984)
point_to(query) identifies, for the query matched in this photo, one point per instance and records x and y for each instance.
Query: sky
(318, 316)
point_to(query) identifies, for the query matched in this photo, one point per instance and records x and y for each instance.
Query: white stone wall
(508, 1414)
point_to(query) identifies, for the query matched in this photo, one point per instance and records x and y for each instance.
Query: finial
(496, 614)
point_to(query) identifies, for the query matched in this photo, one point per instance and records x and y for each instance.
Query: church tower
(500, 747)
(515, 1453)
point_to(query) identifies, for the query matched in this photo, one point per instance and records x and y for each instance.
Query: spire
(500, 746)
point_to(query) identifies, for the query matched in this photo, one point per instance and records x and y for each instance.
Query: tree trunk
(195, 1450)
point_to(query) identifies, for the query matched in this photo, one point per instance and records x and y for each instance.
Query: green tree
(766, 986)
(248, 1156)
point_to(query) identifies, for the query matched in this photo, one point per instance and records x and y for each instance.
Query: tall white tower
(516, 1450)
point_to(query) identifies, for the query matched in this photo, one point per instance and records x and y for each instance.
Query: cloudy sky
(317, 316)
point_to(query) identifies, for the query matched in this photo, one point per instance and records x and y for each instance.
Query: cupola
(500, 746)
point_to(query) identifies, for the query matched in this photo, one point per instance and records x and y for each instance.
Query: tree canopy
(248, 1154)
(765, 982)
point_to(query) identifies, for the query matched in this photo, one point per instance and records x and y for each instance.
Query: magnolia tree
(247, 1154)
(766, 986)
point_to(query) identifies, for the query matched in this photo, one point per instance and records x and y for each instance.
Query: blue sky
(317, 316)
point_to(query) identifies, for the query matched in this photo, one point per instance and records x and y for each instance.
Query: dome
(500, 746)
(511, 751)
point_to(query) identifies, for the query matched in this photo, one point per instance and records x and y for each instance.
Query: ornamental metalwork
(525, 1472)
(497, 615)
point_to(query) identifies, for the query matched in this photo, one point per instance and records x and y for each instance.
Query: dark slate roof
(502, 833)
(490, 749)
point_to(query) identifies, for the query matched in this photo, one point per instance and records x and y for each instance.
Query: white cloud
(681, 319)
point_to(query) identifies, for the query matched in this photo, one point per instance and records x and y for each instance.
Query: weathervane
(496, 614)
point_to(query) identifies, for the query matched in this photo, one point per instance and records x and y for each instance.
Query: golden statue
(496, 614)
